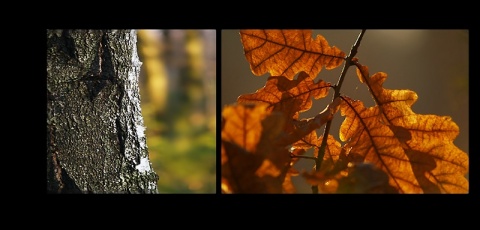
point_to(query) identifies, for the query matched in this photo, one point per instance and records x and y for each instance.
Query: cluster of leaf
(386, 148)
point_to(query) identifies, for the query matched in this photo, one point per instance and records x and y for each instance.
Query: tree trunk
(95, 132)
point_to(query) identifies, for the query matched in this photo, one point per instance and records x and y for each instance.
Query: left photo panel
(131, 111)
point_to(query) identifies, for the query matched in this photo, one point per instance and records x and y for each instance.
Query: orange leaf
(367, 136)
(303, 129)
(238, 170)
(252, 161)
(333, 149)
(243, 125)
(416, 151)
(288, 186)
(308, 141)
(289, 96)
(244, 172)
(332, 154)
(287, 52)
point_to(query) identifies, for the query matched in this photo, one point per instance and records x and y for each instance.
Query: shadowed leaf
(288, 186)
(289, 96)
(252, 162)
(255, 158)
(243, 125)
(365, 178)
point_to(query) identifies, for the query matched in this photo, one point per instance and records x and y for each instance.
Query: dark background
(433, 63)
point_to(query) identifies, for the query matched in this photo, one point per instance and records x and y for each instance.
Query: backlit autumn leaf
(308, 141)
(292, 97)
(251, 160)
(287, 52)
(415, 151)
(289, 96)
(243, 125)
(255, 157)
(332, 153)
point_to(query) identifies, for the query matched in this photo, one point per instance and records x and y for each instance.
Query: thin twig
(348, 63)
(305, 157)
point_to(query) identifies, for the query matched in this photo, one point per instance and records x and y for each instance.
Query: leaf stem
(348, 63)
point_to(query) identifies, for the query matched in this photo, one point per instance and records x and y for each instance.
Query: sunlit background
(433, 63)
(177, 89)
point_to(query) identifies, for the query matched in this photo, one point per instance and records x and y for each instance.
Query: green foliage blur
(177, 89)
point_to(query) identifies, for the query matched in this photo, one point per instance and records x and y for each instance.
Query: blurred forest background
(177, 89)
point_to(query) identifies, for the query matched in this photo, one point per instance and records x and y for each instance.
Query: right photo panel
(344, 111)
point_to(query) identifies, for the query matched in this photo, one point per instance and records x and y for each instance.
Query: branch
(305, 157)
(348, 63)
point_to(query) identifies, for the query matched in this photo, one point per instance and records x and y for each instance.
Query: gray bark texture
(95, 133)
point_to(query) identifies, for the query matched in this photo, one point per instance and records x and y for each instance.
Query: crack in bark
(101, 70)
(69, 45)
(58, 171)
(120, 135)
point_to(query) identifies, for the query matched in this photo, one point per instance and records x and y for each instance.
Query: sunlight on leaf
(287, 52)
(243, 126)
(307, 142)
(333, 148)
(267, 168)
(289, 96)
(416, 151)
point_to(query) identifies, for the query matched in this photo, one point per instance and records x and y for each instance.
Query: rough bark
(95, 132)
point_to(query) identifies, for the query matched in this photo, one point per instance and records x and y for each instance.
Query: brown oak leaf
(252, 162)
(287, 52)
(416, 151)
(289, 96)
